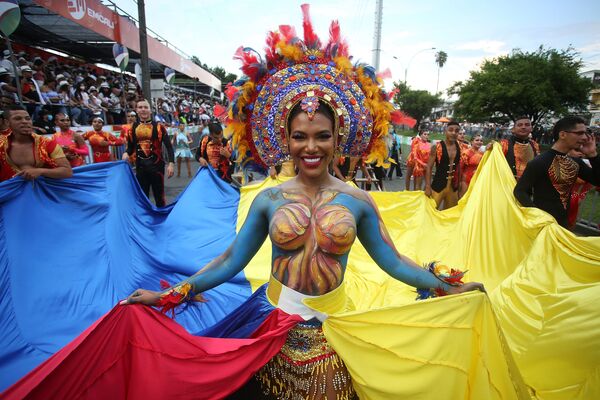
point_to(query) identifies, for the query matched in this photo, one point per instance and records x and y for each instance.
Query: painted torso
(312, 235)
(311, 240)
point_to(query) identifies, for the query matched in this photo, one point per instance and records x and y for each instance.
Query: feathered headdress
(295, 69)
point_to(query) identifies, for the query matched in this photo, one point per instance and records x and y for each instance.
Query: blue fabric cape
(71, 249)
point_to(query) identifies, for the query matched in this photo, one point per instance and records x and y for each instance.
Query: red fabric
(135, 352)
(578, 193)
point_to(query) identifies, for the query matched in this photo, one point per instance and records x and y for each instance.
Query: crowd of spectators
(52, 84)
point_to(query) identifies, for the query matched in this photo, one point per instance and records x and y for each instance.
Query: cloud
(487, 46)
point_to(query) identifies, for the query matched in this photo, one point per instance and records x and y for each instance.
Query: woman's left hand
(467, 287)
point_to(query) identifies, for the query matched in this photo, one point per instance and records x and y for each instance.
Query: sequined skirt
(306, 368)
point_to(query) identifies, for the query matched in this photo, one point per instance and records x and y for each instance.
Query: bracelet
(175, 296)
(445, 274)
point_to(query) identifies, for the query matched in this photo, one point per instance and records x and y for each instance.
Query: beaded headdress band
(303, 71)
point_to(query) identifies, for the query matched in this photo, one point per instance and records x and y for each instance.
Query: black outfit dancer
(446, 180)
(146, 140)
(550, 177)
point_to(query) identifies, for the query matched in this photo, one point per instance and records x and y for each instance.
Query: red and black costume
(518, 153)
(550, 178)
(447, 173)
(145, 140)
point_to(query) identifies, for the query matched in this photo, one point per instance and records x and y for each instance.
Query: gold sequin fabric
(523, 154)
(563, 174)
(306, 368)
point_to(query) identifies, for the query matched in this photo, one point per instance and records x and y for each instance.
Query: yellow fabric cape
(543, 284)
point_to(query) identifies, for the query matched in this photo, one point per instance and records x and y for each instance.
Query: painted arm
(374, 237)
(246, 244)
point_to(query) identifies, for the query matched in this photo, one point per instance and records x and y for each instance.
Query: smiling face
(97, 124)
(311, 144)
(143, 110)
(477, 142)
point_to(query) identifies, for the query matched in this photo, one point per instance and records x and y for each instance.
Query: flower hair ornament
(305, 71)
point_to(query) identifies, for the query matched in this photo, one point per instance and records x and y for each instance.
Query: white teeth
(312, 160)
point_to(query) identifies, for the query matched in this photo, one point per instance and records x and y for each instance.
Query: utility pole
(377, 35)
(144, 51)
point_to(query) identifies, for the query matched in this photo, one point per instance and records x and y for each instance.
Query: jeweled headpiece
(303, 71)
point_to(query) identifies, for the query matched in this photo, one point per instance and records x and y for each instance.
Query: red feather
(335, 39)
(169, 303)
(220, 112)
(164, 284)
(398, 118)
(271, 50)
(288, 32)
(230, 91)
(310, 37)
(250, 64)
(387, 74)
(334, 32)
(392, 94)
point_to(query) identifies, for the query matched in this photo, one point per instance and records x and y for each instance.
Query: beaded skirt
(306, 368)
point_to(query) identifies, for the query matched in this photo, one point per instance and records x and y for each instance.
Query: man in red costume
(145, 140)
(23, 153)
(519, 149)
(100, 141)
(73, 145)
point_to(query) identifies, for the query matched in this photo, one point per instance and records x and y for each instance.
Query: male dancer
(519, 149)
(145, 140)
(548, 180)
(23, 153)
(446, 156)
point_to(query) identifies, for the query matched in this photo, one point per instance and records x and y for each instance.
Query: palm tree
(440, 59)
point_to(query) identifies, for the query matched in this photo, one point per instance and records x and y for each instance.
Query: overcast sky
(469, 31)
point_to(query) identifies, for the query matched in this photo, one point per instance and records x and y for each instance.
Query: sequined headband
(303, 71)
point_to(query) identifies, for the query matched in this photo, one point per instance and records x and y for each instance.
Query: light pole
(413, 56)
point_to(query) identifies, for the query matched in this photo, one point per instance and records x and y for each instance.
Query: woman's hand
(467, 287)
(142, 296)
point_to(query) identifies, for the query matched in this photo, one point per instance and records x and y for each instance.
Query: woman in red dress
(420, 156)
(471, 159)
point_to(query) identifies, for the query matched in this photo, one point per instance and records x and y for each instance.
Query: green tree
(223, 75)
(440, 59)
(199, 63)
(219, 72)
(537, 84)
(416, 103)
